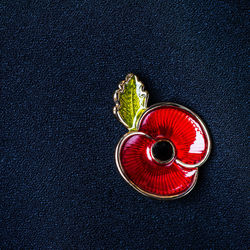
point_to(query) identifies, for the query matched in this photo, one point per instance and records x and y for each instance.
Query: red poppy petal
(150, 177)
(181, 127)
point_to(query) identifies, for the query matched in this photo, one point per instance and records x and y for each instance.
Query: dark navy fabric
(61, 61)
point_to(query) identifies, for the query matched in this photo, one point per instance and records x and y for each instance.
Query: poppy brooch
(164, 147)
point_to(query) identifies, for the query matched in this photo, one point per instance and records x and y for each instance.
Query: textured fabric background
(61, 61)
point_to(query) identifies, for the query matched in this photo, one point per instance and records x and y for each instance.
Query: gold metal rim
(173, 154)
(128, 180)
(120, 90)
(171, 104)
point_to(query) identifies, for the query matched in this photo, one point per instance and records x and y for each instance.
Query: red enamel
(181, 128)
(150, 176)
(187, 135)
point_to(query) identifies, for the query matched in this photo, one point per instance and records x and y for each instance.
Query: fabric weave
(61, 62)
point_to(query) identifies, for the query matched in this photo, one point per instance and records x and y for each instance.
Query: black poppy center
(163, 151)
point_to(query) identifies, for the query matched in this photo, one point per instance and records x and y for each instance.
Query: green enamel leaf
(131, 101)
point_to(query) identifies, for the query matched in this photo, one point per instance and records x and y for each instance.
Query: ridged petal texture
(181, 128)
(186, 134)
(149, 175)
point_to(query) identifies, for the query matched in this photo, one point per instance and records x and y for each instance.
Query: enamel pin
(165, 144)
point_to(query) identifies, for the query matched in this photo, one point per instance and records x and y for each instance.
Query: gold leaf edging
(141, 93)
